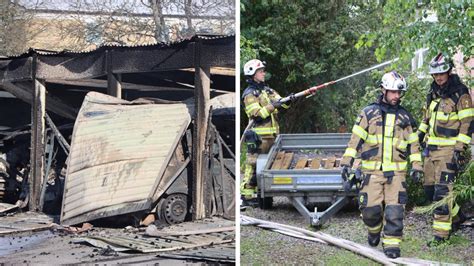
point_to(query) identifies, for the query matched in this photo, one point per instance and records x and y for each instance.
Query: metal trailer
(304, 186)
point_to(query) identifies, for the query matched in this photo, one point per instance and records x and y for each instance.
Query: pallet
(330, 161)
(278, 160)
(301, 164)
(315, 163)
(287, 160)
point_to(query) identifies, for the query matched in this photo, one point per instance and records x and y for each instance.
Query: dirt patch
(259, 246)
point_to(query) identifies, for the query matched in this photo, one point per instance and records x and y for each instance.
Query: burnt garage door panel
(119, 153)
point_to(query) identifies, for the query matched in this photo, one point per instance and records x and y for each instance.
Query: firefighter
(445, 132)
(385, 138)
(261, 105)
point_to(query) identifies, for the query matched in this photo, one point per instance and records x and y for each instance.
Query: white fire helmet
(393, 81)
(251, 66)
(440, 64)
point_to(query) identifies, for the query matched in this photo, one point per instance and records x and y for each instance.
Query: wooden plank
(278, 160)
(329, 164)
(301, 164)
(24, 222)
(287, 160)
(315, 163)
(20, 230)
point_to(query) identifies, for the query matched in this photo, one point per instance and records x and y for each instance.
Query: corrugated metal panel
(119, 152)
(32, 51)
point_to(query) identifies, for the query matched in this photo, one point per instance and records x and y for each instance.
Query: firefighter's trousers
(248, 185)
(439, 177)
(382, 203)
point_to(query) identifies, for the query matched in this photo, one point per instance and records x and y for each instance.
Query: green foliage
(464, 187)
(306, 45)
(449, 252)
(440, 25)
(463, 191)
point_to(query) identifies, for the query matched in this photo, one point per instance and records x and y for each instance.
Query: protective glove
(416, 176)
(292, 97)
(423, 145)
(345, 171)
(345, 175)
(458, 159)
(421, 139)
(277, 104)
(347, 185)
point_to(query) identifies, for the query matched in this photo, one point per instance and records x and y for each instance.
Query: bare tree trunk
(160, 27)
(188, 13)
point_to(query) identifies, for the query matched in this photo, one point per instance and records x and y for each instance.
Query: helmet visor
(437, 64)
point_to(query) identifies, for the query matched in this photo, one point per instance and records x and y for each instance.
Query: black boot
(458, 220)
(250, 202)
(392, 252)
(373, 239)
(436, 241)
(429, 194)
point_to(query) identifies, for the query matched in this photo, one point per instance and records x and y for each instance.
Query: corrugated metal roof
(119, 153)
(32, 51)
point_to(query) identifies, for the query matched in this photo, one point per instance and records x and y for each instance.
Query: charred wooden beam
(114, 81)
(23, 92)
(62, 141)
(114, 85)
(38, 113)
(216, 52)
(103, 84)
(202, 96)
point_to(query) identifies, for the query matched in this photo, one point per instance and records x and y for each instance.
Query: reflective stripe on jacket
(258, 100)
(385, 138)
(448, 116)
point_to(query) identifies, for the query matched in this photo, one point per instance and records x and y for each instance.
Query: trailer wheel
(265, 203)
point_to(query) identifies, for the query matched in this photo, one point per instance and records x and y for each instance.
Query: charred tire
(265, 203)
(3, 178)
(2, 187)
(174, 208)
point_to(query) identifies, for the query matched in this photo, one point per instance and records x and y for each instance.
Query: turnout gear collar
(257, 85)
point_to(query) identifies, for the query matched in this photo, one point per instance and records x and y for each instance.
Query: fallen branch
(320, 237)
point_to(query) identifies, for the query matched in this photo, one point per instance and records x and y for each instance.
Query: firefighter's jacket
(385, 138)
(258, 99)
(448, 116)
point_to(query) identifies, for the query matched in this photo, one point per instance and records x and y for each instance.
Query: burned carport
(181, 76)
